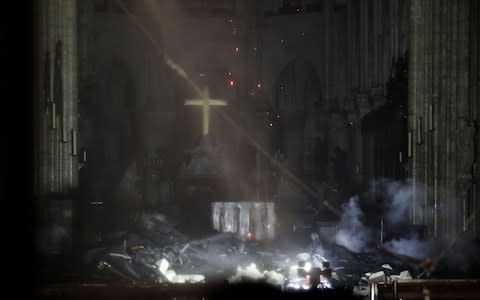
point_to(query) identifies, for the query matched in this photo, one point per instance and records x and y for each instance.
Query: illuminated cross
(206, 102)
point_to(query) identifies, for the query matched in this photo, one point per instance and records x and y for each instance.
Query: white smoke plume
(352, 233)
(410, 247)
(355, 235)
(399, 198)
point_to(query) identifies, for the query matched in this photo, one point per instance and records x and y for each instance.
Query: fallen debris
(158, 253)
(387, 266)
(404, 275)
(377, 277)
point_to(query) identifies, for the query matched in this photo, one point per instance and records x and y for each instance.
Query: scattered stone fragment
(387, 266)
(162, 265)
(377, 277)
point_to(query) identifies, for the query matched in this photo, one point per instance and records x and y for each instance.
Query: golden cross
(205, 102)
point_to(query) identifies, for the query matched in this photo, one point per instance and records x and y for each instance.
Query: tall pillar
(327, 44)
(474, 85)
(56, 156)
(444, 135)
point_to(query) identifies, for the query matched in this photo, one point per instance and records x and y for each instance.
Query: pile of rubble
(159, 254)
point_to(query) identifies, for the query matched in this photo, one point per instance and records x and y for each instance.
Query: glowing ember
(232, 83)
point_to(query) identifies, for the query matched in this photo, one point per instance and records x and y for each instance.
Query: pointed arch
(297, 87)
(297, 93)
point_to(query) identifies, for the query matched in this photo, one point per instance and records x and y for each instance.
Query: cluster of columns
(443, 114)
(56, 113)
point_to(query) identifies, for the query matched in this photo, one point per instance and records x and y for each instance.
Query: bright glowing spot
(271, 124)
(229, 73)
(232, 83)
(259, 85)
(308, 266)
(281, 41)
(237, 49)
(249, 234)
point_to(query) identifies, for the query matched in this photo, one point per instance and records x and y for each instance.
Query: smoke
(396, 198)
(127, 184)
(410, 247)
(355, 235)
(457, 253)
(456, 256)
(352, 233)
(399, 198)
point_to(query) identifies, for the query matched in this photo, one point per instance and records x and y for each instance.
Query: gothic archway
(297, 94)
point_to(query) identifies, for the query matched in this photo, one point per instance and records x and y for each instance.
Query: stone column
(474, 108)
(444, 136)
(56, 111)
